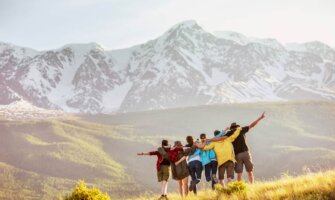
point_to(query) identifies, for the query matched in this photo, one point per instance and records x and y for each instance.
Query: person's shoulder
(167, 149)
(229, 133)
(245, 129)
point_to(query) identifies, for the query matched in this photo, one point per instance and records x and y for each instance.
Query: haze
(122, 23)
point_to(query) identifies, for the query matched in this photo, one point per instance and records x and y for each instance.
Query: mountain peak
(83, 46)
(186, 29)
(186, 23)
(19, 50)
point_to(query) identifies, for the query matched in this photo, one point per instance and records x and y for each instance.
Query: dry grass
(318, 186)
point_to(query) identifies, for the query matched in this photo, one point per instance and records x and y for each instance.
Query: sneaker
(161, 197)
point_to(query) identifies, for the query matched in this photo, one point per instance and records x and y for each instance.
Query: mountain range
(186, 66)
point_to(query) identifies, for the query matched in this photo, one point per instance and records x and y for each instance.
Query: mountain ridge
(185, 66)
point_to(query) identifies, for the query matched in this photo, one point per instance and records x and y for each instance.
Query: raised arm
(253, 124)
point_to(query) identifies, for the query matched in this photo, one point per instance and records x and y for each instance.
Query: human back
(224, 151)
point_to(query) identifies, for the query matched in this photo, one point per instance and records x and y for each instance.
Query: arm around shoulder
(217, 139)
(235, 134)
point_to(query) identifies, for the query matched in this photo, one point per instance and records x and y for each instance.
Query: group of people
(225, 152)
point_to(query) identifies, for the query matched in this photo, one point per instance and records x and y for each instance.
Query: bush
(233, 187)
(81, 192)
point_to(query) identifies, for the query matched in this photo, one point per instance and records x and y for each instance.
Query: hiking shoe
(195, 189)
(213, 185)
(192, 185)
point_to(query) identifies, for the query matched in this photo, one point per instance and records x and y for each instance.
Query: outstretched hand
(253, 124)
(140, 154)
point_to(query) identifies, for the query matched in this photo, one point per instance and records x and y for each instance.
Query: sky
(50, 24)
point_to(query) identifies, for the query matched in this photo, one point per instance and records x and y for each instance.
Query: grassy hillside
(42, 159)
(22, 184)
(319, 186)
(293, 137)
(46, 156)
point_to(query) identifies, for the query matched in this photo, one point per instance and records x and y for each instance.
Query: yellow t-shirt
(224, 150)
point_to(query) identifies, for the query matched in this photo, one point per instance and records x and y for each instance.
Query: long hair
(189, 140)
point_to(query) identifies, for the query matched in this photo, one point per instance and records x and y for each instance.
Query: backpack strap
(163, 153)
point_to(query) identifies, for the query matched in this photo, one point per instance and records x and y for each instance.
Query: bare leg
(164, 185)
(229, 180)
(239, 176)
(180, 183)
(221, 181)
(251, 177)
(185, 185)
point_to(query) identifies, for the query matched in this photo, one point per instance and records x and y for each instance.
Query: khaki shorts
(245, 159)
(163, 173)
(227, 166)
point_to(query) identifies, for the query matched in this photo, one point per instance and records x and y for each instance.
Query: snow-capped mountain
(186, 66)
(24, 110)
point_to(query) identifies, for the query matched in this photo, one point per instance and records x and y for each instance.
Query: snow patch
(299, 47)
(113, 99)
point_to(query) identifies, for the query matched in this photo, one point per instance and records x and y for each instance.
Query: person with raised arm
(224, 153)
(242, 153)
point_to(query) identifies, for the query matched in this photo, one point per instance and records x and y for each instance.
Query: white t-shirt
(197, 157)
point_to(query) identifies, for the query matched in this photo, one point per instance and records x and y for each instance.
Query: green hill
(43, 159)
(40, 159)
(293, 137)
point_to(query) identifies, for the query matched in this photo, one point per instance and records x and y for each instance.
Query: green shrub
(81, 192)
(237, 187)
